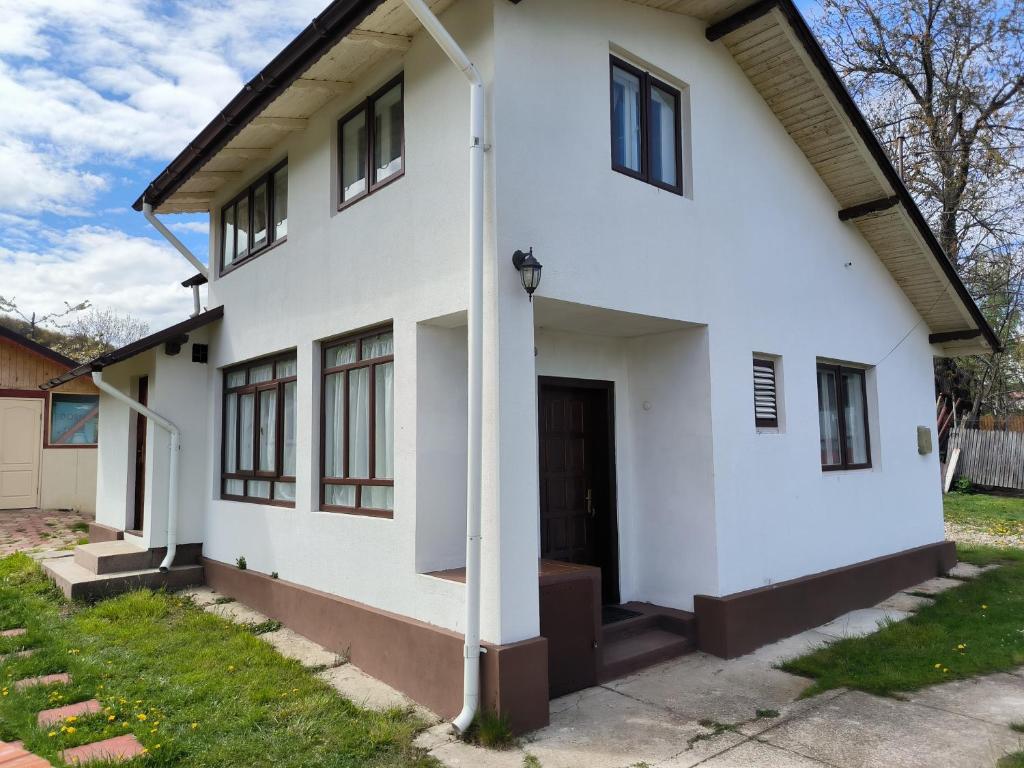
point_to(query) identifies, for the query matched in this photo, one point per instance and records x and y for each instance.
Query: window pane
(340, 495)
(343, 354)
(380, 345)
(286, 368)
(625, 119)
(242, 224)
(230, 432)
(378, 497)
(245, 416)
(259, 489)
(268, 430)
(288, 447)
(353, 157)
(259, 216)
(828, 418)
(334, 425)
(281, 203)
(384, 421)
(284, 491)
(387, 134)
(359, 423)
(74, 419)
(234, 487)
(228, 235)
(260, 373)
(236, 379)
(854, 413)
(663, 136)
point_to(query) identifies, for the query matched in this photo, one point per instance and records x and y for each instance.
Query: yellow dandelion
(71, 719)
(156, 746)
(51, 734)
(71, 729)
(984, 607)
(231, 667)
(152, 730)
(194, 726)
(141, 716)
(112, 718)
(144, 751)
(938, 666)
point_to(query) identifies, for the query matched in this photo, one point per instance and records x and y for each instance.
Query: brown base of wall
(740, 623)
(422, 661)
(99, 532)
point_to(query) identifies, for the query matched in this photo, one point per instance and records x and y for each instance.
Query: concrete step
(113, 556)
(629, 653)
(109, 750)
(78, 583)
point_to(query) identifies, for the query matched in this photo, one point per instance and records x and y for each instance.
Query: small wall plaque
(924, 440)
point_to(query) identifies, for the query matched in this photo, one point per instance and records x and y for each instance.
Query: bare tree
(942, 83)
(91, 334)
(30, 323)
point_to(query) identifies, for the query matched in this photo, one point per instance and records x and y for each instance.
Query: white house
(712, 424)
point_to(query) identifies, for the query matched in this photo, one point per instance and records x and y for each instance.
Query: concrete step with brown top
(61, 678)
(78, 583)
(114, 557)
(116, 749)
(60, 714)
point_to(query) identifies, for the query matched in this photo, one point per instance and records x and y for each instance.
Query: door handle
(590, 503)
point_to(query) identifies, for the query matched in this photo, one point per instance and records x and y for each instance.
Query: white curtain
(334, 424)
(353, 157)
(230, 432)
(246, 416)
(856, 437)
(828, 418)
(268, 430)
(288, 449)
(359, 422)
(626, 114)
(387, 134)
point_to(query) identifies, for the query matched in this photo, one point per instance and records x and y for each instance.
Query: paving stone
(292, 645)
(968, 570)
(996, 699)
(755, 754)
(366, 691)
(606, 729)
(862, 622)
(790, 647)
(17, 632)
(60, 714)
(13, 755)
(16, 655)
(458, 754)
(29, 529)
(434, 737)
(902, 601)
(936, 586)
(119, 748)
(857, 730)
(62, 678)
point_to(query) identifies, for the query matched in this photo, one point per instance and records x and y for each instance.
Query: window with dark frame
(646, 127)
(371, 144)
(358, 423)
(258, 439)
(766, 404)
(843, 417)
(256, 219)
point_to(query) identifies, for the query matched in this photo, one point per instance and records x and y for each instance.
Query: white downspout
(147, 211)
(172, 491)
(471, 655)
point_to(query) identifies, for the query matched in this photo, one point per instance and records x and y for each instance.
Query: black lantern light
(529, 270)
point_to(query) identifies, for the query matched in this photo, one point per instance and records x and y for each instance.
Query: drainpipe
(147, 211)
(172, 491)
(471, 655)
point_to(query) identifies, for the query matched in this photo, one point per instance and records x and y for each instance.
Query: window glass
(663, 136)
(234, 487)
(236, 379)
(242, 226)
(229, 235)
(359, 423)
(340, 495)
(268, 430)
(260, 373)
(260, 235)
(286, 368)
(288, 432)
(343, 354)
(378, 346)
(259, 489)
(74, 419)
(353, 157)
(387, 134)
(281, 203)
(284, 491)
(334, 425)
(855, 417)
(626, 125)
(828, 417)
(230, 432)
(246, 416)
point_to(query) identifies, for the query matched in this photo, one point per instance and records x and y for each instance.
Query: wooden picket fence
(989, 457)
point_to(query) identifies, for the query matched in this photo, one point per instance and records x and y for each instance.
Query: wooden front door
(139, 518)
(577, 477)
(21, 435)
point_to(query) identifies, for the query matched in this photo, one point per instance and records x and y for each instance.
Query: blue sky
(96, 96)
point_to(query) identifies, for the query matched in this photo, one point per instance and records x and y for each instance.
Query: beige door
(21, 433)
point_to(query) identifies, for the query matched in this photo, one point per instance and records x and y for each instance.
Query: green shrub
(240, 562)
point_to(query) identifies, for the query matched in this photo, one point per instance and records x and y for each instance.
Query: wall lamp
(529, 270)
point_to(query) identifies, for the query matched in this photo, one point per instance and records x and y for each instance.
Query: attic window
(256, 219)
(371, 144)
(766, 404)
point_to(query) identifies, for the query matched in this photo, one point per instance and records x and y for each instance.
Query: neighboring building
(706, 424)
(47, 439)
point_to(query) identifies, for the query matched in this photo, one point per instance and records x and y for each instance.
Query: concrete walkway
(28, 529)
(742, 713)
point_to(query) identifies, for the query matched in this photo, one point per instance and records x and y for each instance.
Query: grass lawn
(972, 630)
(195, 689)
(1000, 515)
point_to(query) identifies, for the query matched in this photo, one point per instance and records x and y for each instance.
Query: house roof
(173, 333)
(36, 348)
(768, 39)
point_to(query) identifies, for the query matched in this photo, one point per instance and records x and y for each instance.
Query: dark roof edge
(137, 347)
(867, 135)
(336, 21)
(34, 346)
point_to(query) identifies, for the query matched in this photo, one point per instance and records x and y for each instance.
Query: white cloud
(38, 178)
(134, 275)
